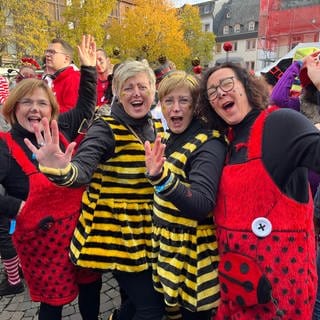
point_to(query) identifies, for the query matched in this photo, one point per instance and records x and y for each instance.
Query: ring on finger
(41, 144)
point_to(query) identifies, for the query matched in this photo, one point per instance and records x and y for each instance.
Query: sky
(179, 3)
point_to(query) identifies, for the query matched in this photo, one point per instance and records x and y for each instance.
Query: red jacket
(65, 87)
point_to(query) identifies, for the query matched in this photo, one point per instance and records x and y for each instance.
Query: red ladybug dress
(266, 243)
(43, 233)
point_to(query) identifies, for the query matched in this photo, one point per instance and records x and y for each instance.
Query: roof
(234, 12)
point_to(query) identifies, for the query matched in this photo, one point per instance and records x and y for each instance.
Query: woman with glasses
(264, 210)
(115, 227)
(185, 172)
(41, 216)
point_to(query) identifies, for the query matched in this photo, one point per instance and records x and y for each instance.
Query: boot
(7, 289)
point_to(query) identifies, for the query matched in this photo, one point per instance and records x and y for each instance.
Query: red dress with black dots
(43, 233)
(266, 241)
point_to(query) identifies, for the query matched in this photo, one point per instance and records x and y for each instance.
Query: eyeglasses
(51, 52)
(28, 103)
(183, 102)
(225, 85)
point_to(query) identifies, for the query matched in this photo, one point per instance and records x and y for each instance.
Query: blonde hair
(23, 88)
(177, 79)
(129, 69)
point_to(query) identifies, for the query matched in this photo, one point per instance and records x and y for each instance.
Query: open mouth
(34, 119)
(137, 104)
(176, 120)
(228, 105)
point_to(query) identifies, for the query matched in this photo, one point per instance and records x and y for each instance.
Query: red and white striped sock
(11, 267)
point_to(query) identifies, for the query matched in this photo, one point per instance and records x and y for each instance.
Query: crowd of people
(204, 212)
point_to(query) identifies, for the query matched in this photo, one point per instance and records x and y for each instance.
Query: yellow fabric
(185, 251)
(114, 229)
(55, 171)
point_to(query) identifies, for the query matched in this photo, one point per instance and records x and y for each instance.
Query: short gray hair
(129, 69)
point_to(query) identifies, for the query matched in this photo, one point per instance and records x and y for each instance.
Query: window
(251, 44)
(237, 28)
(250, 65)
(234, 46)
(207, 27)
(226, 30)
(251, 26)
(228, 15)
(218, 47)
(206, 9)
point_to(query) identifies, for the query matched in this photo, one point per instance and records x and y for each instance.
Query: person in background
(160, 72)
(104, 70)
(272, 76)
(306, 102)
(185, 172)
(115, 225)
(4, 89)
(4, 92)
(65, 77)
(264, 210)
(34, 209)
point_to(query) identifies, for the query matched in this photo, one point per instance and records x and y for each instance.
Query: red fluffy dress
(43, 233)
(266, 241)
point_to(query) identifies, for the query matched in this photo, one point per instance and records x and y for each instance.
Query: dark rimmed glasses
(51, 52)
(226, 85)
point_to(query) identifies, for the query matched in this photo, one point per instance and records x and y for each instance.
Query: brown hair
(255, 90)
(23, 88)
(175, 79)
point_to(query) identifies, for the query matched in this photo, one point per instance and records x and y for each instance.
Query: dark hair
(255, 90)
(66, 47)
(310, 94)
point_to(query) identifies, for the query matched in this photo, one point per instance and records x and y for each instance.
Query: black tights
(88, 301)
(201, 315)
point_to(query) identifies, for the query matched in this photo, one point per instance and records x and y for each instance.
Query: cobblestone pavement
(20, 307)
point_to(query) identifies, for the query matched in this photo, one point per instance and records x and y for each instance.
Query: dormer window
(226, 30)
(251, 26)
(237, 28)
(228, 15)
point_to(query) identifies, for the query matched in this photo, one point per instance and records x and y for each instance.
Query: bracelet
(165, 185)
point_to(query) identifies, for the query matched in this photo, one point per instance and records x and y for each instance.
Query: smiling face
(136, 95)
(231, 104)
(177, 109)
(32, 108)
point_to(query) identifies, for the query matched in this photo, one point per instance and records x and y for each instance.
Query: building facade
(261, 31)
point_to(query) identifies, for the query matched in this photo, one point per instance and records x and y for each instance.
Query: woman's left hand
(155, 157)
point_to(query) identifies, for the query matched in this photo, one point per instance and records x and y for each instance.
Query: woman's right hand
(48, 152)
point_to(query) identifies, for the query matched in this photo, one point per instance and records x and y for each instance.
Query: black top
(203, 170)
(291, 145)
(12, 177)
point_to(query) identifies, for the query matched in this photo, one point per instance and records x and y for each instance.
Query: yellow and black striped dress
(114, 228)
(185, 251)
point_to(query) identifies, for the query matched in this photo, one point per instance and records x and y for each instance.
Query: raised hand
(312, 63)
(48, 152)
(87, 51)
(154, 156)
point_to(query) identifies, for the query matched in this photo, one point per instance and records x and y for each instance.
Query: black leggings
(7, 249)
(88, 301)
(201, 315)
(143, 302)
